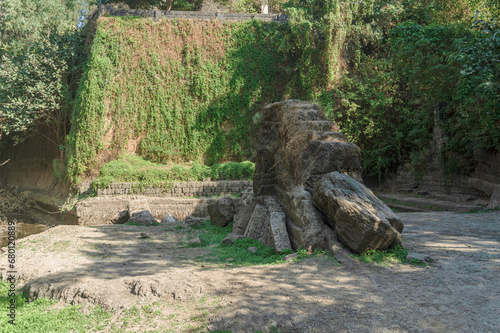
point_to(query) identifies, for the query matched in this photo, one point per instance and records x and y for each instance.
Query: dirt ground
(112, 266)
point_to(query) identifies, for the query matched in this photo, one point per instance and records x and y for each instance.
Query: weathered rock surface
(495, 198)
(140, 213)
(121, 217)
(257, 223)
(252, 250)
(267, 224)
(297, 147)
(304, 220)
(244, 214)
(221, 211)
(361, 220)
(278, 231)
(230, 238)
(169, 219)
(482, 185)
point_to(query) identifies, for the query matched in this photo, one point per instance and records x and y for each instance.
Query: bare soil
(113, 267)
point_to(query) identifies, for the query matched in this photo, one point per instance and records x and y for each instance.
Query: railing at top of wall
(162, 14)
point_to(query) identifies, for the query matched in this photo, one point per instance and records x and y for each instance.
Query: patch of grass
(40, 316)
(396, 255)
(141, 225)
(211, 237)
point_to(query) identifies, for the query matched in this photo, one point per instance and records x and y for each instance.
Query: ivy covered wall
(192, 91)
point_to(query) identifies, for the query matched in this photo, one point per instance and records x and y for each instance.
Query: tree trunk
(168, 4)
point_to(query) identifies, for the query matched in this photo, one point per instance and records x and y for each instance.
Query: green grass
(211, 237)
(396, 255)
(135, 169)
(40, 316)
(140, 224)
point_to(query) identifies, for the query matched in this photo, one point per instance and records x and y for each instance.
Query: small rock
(495, 198)
(229, 264)
(169, 219)
(418, 256)
(291, 256)
(195, 240)
(193, 220)
(230, 238)
(252, 250)
(139, 212)
(221, 211)
(144, 235)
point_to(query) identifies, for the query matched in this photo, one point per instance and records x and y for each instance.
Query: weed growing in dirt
(40, 316)
(396, 255)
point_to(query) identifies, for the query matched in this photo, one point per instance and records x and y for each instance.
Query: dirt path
(112, 266)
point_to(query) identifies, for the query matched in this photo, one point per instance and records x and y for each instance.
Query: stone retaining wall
(179, 190)
(97, 211)
(114, 10)
(436, 183)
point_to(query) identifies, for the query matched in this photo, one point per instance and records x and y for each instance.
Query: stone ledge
(186, 189)
(113, 10)
(102, 210)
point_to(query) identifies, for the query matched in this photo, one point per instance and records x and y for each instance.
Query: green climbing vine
(188, 91)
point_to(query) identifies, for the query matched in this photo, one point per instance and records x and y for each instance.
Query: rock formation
(140, 213)
(307, 187)
(221, 211)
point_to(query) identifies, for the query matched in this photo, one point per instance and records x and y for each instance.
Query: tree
(39, 52)
(23, 20)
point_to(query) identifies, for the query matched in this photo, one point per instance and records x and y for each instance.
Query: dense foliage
(40, 56)
(191, 96)
(389, 63)
(188, 91)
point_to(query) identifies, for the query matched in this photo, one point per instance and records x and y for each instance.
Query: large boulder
(221, 211)
(297, 147)
(140, 213)
(361, 220)
(304, 220)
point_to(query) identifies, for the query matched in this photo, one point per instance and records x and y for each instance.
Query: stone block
(257, 222)
(279, 233)
(495, 198)
(361, 220)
